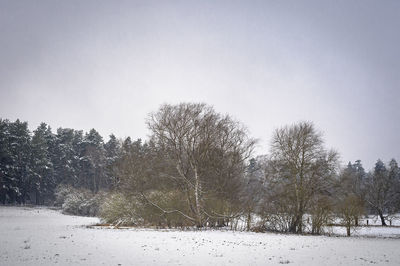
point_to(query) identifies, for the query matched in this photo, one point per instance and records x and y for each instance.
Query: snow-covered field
(39, 236)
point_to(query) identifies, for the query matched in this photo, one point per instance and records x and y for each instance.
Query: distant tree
(321, 211)
(42, 178)
(394, 170)
(112, 153)
(134, 168)
(359, 182)
(64, 157)
(7, 179)
(94, 161)
(32, 166)
(126, 145)
(352, 184)
(348, 208)
(381, 191)
(253, 189)
(20, 150)
(394, 179)
(300, 169)
(350, 197)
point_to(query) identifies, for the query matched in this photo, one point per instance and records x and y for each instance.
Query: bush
(349, 209)
(121, 209)
(79, 201)
(118, 209)
(61, 193)
(321, 214)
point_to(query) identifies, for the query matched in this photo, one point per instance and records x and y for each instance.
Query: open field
(39, 236)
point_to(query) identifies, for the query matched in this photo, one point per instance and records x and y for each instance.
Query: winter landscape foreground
(40, 236)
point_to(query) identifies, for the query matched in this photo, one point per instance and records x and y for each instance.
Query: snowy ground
(364, 231)
(38, 236)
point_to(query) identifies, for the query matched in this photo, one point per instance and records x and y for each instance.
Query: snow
(375, 220)
(40, 236)
(372, 231)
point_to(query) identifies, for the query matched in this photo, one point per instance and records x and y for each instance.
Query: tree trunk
(3, 195)
(299, 219)
(13, 197)
(37, 198)
(292, 227)
(94, 183)
(300, 223)
(220, 223)
(197, 191)
(348, 230)
(296, 224)
(248, 220)
(382, 219)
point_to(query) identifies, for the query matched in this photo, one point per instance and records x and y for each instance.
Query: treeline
(33, 165)
(305, 190)
(196, 169)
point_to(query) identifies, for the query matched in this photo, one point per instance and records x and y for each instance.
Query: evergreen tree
(252, 188)
(352, 179)
(94, 161)
(19, 168)
(394, 170)
(113, 152)
(351, 190)
(32, 166)
(394, 179)
(77, 160)
(7, 182)
(126, 146)
(63, 157)
(381, 192)
(42, 180)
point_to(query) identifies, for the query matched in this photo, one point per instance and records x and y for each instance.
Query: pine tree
(77, 160)
(94, 161)
(394, 170)
(20, 167)
(394, 179)
(6, 179)
(381, 192)
(351, 183)
(252, 191)
(113, 152)
(63, 157)
(42, 179)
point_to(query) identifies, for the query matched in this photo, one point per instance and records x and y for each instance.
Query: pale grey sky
(107, 64)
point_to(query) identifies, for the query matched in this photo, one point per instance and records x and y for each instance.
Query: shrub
(121, 210)
(61, 193)
(321, 214)
(155, 209)
(78, 201)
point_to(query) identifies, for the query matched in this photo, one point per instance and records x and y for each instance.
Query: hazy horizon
(106, 65)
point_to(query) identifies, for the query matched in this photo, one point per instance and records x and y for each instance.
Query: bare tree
(349, 207)
(300, 168)
(321, 211)
(204, 151)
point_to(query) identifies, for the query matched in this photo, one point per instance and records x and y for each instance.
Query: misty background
(106, 65)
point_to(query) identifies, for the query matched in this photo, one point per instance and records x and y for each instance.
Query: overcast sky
(107, 64)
